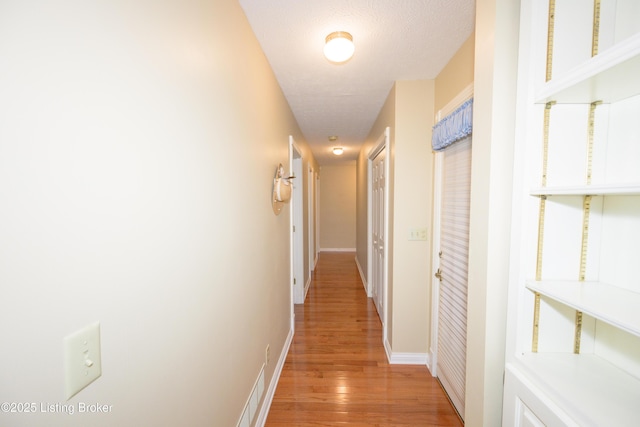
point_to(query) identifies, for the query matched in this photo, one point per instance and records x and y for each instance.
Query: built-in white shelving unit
(573, 341)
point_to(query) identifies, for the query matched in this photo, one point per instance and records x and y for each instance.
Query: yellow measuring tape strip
(586, 211)
(541, 215)
(595, 37)
(550, 28)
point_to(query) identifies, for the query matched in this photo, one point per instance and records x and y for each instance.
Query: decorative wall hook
(282, 187)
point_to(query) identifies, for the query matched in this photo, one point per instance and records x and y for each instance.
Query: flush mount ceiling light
(338, 151)
(339, 46)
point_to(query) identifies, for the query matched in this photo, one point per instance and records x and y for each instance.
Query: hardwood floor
(336, 372)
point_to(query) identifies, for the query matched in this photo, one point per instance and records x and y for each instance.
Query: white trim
(300, 228)
(464, 95)
(307, 285)
(337, 249)
(296, 213)
(311, 235)
(362, 278)
(435, 259)
(382, 143)
(317, 217)
(318, 190)
(271, 390)
(369, 224)
(405, 358)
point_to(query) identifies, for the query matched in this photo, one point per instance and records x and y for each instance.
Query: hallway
(336, 372)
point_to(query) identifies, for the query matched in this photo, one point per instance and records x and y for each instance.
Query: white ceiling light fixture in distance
(339, 47)
(338, 151)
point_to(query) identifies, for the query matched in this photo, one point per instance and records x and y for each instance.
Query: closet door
(452, 272)
(378, 216)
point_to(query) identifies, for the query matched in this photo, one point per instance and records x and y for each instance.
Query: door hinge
(294, 228)
(294, 280)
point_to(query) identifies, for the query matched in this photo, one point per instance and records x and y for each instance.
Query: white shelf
(589, 389)
(609, 77)
(589, 190)
(616, 306)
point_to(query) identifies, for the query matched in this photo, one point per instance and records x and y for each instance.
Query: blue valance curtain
(453, 127)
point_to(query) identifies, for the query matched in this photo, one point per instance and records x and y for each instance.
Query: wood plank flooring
(336, 372)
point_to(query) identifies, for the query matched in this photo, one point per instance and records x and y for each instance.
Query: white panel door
(297, 227)
(452, 272)
(378, 218)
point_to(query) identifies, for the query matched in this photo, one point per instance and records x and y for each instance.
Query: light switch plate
(82, 359)
(418, 233)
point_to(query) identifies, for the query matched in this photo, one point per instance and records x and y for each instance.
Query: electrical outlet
(267, 355)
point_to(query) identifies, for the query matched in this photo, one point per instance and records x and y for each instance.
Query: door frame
(296, 220)
(317, 219)
(460, 98)
(311, 189)
(382, 144)
(435, 257)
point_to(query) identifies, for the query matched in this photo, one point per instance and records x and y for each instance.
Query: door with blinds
(452, 270)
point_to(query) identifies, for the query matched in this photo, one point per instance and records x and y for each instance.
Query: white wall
(338, 206)
(496, 49)
(138, 142)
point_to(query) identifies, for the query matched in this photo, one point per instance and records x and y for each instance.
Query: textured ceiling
(394, 40)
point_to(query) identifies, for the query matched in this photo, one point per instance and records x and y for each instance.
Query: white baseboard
(396, 358)
(430, 363)
(271, 390)
(337, 249)
(364, 280)
(306, 289)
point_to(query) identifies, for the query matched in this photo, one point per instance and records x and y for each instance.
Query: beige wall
(488, 60)
(338, 206)
(408, 112)
(412, 206)
(456, 75)
(138, 143)
(386, 118)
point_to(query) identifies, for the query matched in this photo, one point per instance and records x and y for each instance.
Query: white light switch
(82, 359)
(418, 234)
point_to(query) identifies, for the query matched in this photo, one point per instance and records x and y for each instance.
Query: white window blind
(454, 244)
